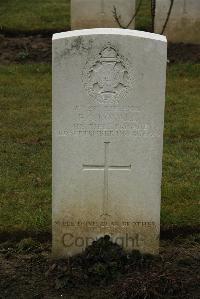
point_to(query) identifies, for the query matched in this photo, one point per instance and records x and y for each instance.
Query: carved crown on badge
(107, 78)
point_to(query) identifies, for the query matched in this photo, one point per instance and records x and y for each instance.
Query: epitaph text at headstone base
(108, 117)
(102, 14)
(183, 23)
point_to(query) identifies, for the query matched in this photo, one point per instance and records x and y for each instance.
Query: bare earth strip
(37, 49)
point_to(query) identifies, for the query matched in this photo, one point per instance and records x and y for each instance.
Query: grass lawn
(33, 15)
(25, 149)
(25, 153)
(143, 19)
(29, 15)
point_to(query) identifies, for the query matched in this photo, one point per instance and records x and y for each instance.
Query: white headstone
(99, 13)
(184, 22)
(108, 117)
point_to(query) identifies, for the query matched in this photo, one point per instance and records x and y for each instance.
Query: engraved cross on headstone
(106, 167)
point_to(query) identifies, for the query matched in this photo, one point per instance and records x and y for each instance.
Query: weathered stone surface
(108, 117)
(184, 22)
(99, 13)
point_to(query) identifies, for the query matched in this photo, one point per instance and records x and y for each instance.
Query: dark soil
(37, 49)
(32, 49)
(12, 32)
(183, 53)
(104, 270)
(167, 233)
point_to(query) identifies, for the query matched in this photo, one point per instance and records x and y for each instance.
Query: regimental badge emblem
(107, 78)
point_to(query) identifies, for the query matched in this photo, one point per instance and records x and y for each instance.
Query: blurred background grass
(29, 15)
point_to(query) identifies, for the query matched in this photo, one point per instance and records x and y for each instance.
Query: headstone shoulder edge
(109, 31)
